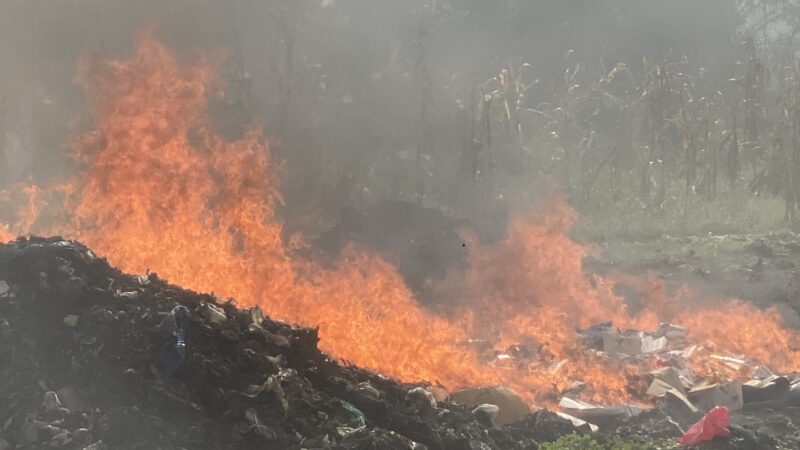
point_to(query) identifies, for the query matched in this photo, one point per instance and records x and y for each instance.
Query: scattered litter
(487, 411)
(597, 414)
(357, 416)
(71, 320)
(616, 343)
(632, 343)
(302, 398)
(578, 423)
(213, 314)
(659, 388)
(594, 335)
(665, 379)
(51, 403)
(735, 364)
(422, 397)
(174, 321)
(678, 406)
(573, 389)
(270, 385)
(762, 372)
(130, 295)
(708, 396)
(5, 289)
(671, 332)
(714, 424)
(653, 345)
(345, 432)
(71, 399)
(173, 353)
(511, 407)
(252, 316)
(771, 388)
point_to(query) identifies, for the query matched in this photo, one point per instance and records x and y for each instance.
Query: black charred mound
(82, 366)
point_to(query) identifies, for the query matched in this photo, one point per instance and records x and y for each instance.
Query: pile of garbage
(701, 407)
(91, 358)
(663, 357)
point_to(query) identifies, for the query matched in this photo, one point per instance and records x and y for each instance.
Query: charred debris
(91, 358)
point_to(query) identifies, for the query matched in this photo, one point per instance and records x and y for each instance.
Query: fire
(159, 190)
(5, 235)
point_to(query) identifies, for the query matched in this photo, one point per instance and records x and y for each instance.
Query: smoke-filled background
(239, 147)
(633, 108)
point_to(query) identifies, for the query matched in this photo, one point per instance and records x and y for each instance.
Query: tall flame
(159, 190)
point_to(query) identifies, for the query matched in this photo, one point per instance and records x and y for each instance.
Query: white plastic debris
(653, 345)
(252, 316)
(213, 313)
(616, 343)
(422, 396)
(131, 295)
(762, 372)
(512, 408)
(664, 380)
(71, 320)
(491, 411)
(5, 289)
(594, 413)
(578, 422)
(730, 362)
(632, 344)
(706, 397)
(272, 384)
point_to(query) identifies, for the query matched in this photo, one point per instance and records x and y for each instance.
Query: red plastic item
(713, 424)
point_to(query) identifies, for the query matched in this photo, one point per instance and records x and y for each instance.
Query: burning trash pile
(92, 359)
(665, 359)
(96, 355)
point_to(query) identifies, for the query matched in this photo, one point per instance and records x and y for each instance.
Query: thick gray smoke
(370, 99)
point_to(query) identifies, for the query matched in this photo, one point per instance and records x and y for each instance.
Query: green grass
(629, 219)
(582, 442)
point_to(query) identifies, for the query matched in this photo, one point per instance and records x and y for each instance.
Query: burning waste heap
(158, 189)
(92, 358)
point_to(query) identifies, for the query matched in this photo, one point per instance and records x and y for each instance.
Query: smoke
(366, 100)
(369, 99)
(169, 158)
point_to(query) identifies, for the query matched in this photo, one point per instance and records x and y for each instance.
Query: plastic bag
(713, 424)
(174, 353)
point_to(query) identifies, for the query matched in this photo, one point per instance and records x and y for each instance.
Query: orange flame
(161, 191)
(5, 235)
